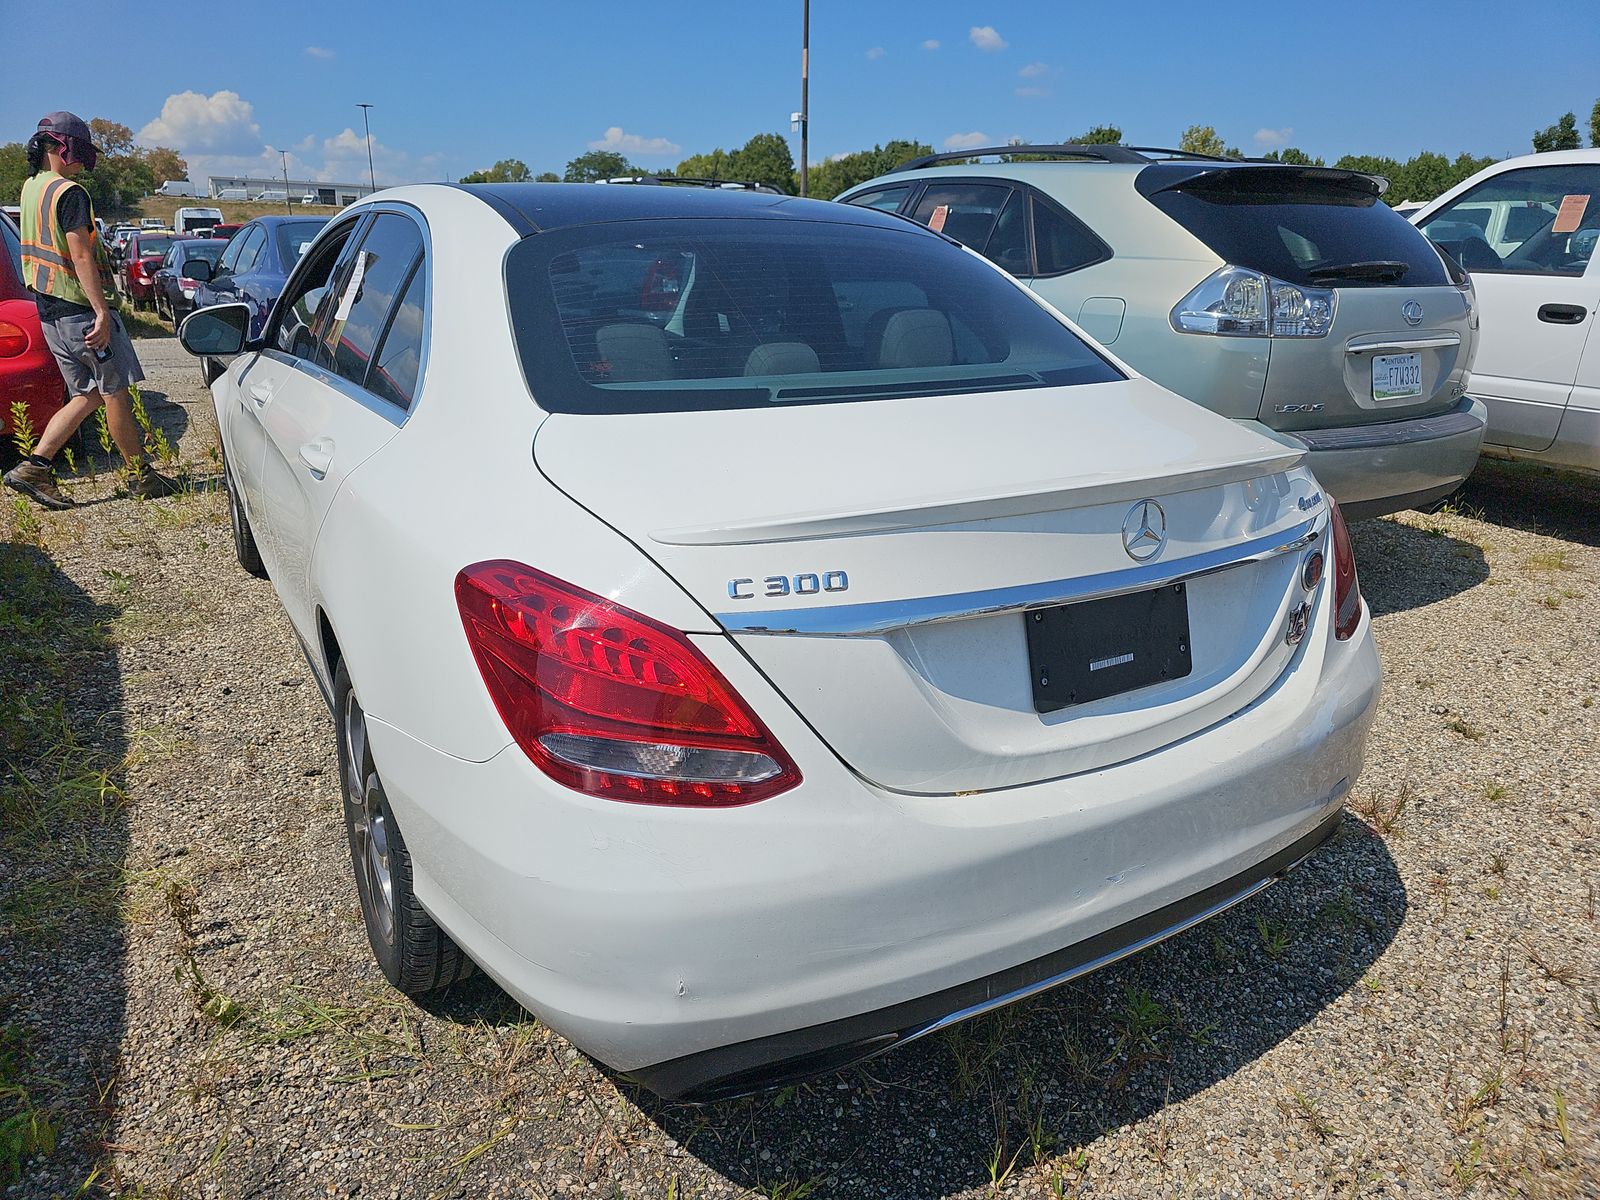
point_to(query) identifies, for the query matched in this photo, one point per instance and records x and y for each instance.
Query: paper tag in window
(940, 215)
(352, 289)
(1570, 215)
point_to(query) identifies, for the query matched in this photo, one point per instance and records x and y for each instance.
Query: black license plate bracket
(1098, 648)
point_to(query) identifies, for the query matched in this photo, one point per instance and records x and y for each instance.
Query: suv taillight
(1237, 302)
(1346, 587)
(609, 702)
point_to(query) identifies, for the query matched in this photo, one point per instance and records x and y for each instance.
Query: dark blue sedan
(254, 268)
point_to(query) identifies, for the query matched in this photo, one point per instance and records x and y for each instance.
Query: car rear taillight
(609, 702)
(1346, 587)
(13, 340)
(1237, 302)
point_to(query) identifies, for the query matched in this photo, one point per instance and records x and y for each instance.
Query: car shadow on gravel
(1402, 567)
(1535, 499)
(1026, 1087)
(63, 883)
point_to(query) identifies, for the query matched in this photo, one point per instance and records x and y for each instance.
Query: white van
(273, 196)
(233, 194)
(177, 187)
(187, 220)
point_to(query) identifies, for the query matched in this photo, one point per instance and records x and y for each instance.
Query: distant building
(249, 187)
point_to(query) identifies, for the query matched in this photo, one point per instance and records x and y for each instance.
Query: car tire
(209, 371)
(244, 538)
(414, 954)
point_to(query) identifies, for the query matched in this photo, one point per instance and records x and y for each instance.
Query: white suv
(1526, 230)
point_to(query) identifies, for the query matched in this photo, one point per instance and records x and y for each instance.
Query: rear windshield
(154, 245)
(1301, 230)
(211, 251)
(293, 238)
(684, 315)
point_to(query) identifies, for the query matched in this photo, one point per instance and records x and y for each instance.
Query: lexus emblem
(1144, 531)
(1412, 312)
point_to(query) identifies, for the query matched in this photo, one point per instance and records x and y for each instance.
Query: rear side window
(1303, 228)
(11, 260)
(1061, 242)
(965, 211)
(293, 237)
(682, 315)
(393, 374)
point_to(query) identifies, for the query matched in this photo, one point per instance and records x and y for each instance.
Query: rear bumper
(710, 952)
(1372, 470)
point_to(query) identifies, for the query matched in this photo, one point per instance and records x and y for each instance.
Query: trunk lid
(875, 559)
(1328, 382)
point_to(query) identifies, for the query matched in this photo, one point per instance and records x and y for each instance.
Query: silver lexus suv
(1290, 297)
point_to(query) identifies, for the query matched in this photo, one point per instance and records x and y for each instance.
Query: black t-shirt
(72, 212)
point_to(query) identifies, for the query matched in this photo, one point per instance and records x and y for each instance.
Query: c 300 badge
(808, 583)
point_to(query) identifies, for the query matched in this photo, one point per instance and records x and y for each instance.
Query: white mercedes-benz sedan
(759, 632)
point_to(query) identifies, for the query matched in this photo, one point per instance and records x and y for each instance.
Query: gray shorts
(83, 372)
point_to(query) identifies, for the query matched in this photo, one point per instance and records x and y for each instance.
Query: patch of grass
(1384, 814)
(1465, 728)
(1303, 1108)
(1275, 936)
(1495, 791)
(26, 1128)
(1548, 560)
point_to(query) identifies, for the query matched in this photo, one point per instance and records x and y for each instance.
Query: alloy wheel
(369, 821)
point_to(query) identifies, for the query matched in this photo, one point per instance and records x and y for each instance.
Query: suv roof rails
(1097, 152)
(744, 185)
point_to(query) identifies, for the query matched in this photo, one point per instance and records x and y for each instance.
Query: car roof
(532, 207)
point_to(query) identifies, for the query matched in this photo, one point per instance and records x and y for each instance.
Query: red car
(140, 263)
(225, 231)
(28, 371)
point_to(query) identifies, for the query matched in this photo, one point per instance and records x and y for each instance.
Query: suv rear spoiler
(1258, 177)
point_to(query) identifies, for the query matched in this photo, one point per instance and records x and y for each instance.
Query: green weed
(22, 432)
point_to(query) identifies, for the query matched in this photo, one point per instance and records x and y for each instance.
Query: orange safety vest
(46, 260)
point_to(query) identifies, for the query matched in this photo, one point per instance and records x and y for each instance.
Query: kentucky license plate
(1396, 376)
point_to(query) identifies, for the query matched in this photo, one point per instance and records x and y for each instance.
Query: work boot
(29, 478)
(149, 485)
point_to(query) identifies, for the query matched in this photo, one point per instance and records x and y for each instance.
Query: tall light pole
(805, 83)
(286, 207)
(372, 177)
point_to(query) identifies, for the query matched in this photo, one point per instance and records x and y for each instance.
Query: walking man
(61, 264)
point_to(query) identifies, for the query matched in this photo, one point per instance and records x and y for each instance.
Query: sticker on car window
(352, 289)
(1570, 215)
(937, 220)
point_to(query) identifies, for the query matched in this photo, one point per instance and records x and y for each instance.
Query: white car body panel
(647, 933)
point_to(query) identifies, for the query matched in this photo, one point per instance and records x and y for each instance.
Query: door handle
(1562, 314)
(261, 393)
(317, 456)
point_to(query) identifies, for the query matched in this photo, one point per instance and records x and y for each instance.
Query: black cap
(67, 125)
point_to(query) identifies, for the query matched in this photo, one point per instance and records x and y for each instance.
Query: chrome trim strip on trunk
(879, 617)
(1405, 345)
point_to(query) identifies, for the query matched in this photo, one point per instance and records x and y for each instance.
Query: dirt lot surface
(190, 1009)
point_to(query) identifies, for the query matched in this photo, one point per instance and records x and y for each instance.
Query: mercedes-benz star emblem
(1412, 312)
(1144, 530)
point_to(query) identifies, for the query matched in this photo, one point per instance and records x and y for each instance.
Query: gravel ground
(1414, 1012)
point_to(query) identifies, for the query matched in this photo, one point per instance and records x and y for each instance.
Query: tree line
(123, 174)
(767, 159)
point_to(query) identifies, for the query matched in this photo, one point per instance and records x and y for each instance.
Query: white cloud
(984, 37)
(1268, 138)
(319, 52)
(632, 143)
(222, 123)
(1033, 93)
(966, 141)
(931, 44)
(1035, 70)
(876, 53)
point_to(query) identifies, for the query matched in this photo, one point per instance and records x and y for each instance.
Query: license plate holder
(1396, 376)
(1099, 648)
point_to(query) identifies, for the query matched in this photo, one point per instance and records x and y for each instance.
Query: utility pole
(805, 85)
(372, 177)
(286, 207)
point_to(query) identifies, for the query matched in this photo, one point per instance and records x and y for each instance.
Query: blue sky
(457, 86)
